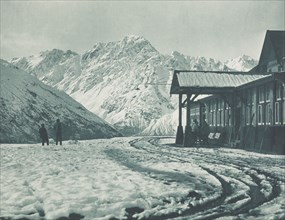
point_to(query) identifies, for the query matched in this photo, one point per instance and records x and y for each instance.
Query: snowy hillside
(26, 103)
(52, 67)
(124, 82)
(166, 125)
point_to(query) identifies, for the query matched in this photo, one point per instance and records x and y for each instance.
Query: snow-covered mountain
(242, 63)
(124, 82)
(26, 103)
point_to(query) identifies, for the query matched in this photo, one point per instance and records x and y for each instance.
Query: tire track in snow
(257, 198)
(122, 159)
(210, 204)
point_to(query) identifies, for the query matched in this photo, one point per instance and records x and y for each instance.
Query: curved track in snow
(139, 178)
(263, 187)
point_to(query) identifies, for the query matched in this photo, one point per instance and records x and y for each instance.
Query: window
(248, 115)
(206, 111)
(228, 115)
(278, 91)
(263, 105)
(268, 113)
(213, 113)
(197, 114)
(203, 113)
(248, 108)
(268, 110)
(211, 116)
(209, 113)
(223, 119)
(261, 94)
(194, 114)
(220, 113)
(283, 110)
(277, 113)
(260, 114)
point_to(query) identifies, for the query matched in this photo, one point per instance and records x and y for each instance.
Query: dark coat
(58, 128)
(205, 129)
(43, 133)
(195, 127)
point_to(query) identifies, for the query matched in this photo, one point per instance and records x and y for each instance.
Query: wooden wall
(244, 133)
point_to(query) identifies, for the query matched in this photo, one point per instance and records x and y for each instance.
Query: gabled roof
(279, 76)
(209, 82)
(275, 41)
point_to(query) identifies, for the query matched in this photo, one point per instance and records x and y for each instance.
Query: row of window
(270, 105)
(274, 66)
(265, 114)
(195, 114)
(263, 106)
(219, 113)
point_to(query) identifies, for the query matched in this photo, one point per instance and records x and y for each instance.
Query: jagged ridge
(124, 82)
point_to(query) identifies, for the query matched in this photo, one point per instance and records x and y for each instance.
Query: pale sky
(217, 29)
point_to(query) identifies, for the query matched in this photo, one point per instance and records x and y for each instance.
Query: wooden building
(245, 109)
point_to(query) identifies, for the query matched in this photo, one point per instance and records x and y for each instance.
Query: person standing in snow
(205, 131)
(44, 135)
(58, 132)
(195, 130)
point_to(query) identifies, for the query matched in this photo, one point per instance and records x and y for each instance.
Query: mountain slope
(242, 63)
(124, 82)
(26, 103)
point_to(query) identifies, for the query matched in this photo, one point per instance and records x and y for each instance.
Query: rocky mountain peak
(129, 47)
(241, 63)
(125, 82)
(133, 38)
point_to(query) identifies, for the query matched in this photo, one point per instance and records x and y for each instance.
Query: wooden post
(179, 133)
(187, 135)
(188, 122)
(233, 113)
(180, 109)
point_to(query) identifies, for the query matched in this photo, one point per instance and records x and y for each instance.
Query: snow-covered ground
(139, 178)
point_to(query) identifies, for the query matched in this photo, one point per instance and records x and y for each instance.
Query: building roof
(274, 40)
(279, 76)
(209, 82)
